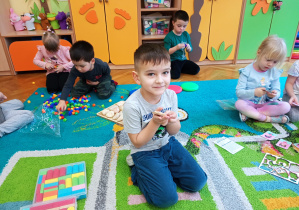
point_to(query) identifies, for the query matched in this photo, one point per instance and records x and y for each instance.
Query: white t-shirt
(137, 114)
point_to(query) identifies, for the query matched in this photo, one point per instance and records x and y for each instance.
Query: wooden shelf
(153, 37)
(158, 9)
(35, 33)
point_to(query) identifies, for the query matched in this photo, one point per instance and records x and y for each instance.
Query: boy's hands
(61, 106)
(188, 48)
(159, 117)
(164, 118)
(49, 66)
(91, 82)
(271, 94)
(180, 46)
(260, 91)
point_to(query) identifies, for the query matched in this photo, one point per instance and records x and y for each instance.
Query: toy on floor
(69, 203)
(113, 113)
(16, 21)
(61, 17)
(29, 21)
(61, 181)
(189, 86)
(280, 167)
(74, 105)
(45, 122)
(177, 89)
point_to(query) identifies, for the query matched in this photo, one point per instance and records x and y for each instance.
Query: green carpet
(234, 181)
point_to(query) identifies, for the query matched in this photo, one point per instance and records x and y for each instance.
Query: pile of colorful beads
(74, 105)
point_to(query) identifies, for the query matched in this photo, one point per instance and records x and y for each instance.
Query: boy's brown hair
(150, 53)
(180, 15)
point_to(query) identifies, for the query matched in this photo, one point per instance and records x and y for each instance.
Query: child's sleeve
(241, 90)
(69, 65)
(189, 41)
(68, 85)
(37, 60)
(167, 43)
(131, 119)
(275, 83)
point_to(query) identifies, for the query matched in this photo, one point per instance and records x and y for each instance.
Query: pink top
(61, 57)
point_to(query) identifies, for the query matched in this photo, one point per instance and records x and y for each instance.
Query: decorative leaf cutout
(222, 54)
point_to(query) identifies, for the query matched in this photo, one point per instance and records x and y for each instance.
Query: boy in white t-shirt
(291, 92)
(161, 163)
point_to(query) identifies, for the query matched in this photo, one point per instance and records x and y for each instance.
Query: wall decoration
(86, 7)
(260, 4)
(222, 53)
(92, 17)
(195, 35)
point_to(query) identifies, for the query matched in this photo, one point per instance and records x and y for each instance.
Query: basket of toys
(157, 3)
(154, 25)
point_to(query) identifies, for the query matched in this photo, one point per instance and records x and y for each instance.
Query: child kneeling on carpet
(291, 92)
(176, 42)
(160, 162)
(12, 117)
(258, 86)
(93, 73)
(54, 58)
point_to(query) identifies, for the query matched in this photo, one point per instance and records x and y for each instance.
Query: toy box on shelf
(61, 181)
(69, 203)
(156, 25)
(157, 3)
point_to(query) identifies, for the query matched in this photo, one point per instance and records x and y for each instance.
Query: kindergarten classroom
(93, 173)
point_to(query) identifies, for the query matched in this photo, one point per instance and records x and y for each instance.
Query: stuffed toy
(44, 21)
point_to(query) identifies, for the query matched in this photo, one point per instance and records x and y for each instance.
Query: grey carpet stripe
(102, 187)
(227, 187)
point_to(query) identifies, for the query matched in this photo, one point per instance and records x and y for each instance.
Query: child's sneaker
(280, 119)
(243, 117)
(130, 161)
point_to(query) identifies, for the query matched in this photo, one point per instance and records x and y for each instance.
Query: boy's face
(179, 26)
(154, 80)
(84, 66)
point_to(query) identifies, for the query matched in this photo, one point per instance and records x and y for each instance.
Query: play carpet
(234, 180)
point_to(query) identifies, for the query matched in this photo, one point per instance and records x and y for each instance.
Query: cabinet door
(3, 59)
(285, 22)
(255, 29)
(122, 27)
(200, 20)
(224, 27)
(90, 25)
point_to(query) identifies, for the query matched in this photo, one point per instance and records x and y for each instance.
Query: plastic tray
(61, 181)
(60, 203)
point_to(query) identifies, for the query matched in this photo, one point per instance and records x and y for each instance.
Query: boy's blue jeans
(157, 173)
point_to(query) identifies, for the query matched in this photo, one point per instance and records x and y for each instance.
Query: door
(256, 27)
(90, 25)
(217, 23)
(122, 27)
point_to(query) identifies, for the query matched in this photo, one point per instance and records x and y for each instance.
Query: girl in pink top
(54, 58)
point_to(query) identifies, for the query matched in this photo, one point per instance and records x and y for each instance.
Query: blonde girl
(54, 58)
(258, 86)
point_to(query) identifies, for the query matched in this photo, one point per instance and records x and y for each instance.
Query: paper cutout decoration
(222, 53)
(119, 22)
(86, 7)
(260, 4)
(91, 16)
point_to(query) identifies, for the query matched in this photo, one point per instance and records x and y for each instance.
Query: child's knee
(165, 200)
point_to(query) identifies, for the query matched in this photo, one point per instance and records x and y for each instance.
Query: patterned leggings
(261, 111)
